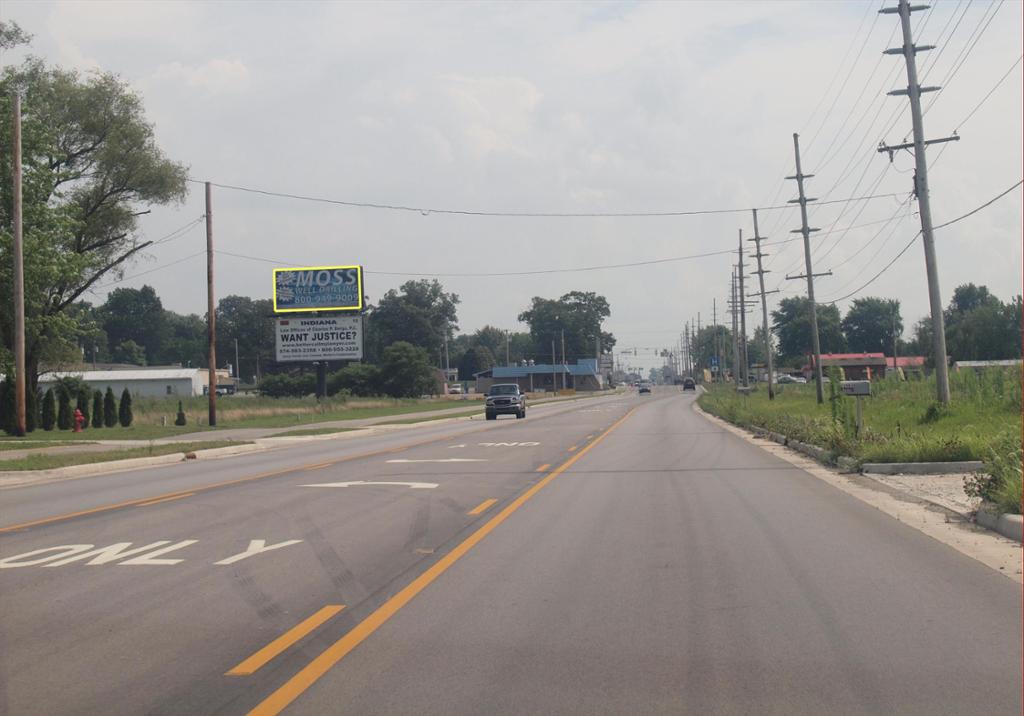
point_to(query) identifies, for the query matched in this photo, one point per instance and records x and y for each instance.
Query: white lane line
(357, 483)
(450, 459)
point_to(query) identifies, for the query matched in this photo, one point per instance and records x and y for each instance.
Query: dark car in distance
(689, 384)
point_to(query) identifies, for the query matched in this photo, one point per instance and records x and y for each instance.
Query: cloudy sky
(566, 108)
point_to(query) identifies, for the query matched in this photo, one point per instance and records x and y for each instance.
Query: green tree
(981, 327)
(185, 340)
(871, 324)
(251, 323)
(420, 313)
(358, 379)
(7, 404)
(64, 420)
(129, 352)
(579, 315)
(97, 409)
(792, 326)
(124, 410)
(475, 360)
(49, 412)
(135, 316)
(406, 371)
(109, 408)
(82, 403)
(91, 166)
(32, 402)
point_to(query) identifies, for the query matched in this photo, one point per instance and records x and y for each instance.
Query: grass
(411, 421)
(314, 431)
(902, 422)
(47, 462)
(34, 444)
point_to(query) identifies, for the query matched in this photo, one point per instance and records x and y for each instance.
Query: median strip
(311, 673)
(283, 642)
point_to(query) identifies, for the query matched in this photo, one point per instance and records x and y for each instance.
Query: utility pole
(806, 231)
(508, 340)
(913, 91)
(211, 314)
(20, 423)
(718, 353)
(698, 367)
(554, 380)
(745, 365)
(563, 359)
(761, 271)
(733, 307)
(237, 371)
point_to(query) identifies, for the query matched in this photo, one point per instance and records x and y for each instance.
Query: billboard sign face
(318, 288)
(320, 338)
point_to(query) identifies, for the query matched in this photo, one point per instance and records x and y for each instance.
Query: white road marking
(257, 546)
(448, 459)
(111, 553)
(451, 447)
(150, 559)
(24, 560)
(357, 483)
(527, 444)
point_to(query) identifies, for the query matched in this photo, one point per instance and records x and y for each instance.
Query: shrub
(1001, 483)
(109, 408)
(362, 379)
(282, 385)
(124, 411)
(32, 401)
(406, 371)
(7, 406)
(97, 409)
(82, 404)
(49, 412)
(179, 419)
(64, 419)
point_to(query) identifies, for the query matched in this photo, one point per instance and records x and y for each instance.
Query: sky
(563, 108)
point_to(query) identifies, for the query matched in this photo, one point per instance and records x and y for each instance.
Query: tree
(109, 408)
(406, 371)
(32, 401)
(357, 379)
(871, 324)
(475, 360)
(421, 313)
(7, 404)
(124, 410)
(129, 352)
(579, 314)
(49, 414)
(792, 325)
(135, 316)
(185, 340)
(91, 166)
(251, 323)
(82, 403)
(97, 409)
(64, 420)
(980, 327)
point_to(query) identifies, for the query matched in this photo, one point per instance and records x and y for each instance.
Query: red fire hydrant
(79, 420)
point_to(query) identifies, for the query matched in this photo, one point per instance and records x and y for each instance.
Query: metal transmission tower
(810, 275)
(761, 271)
(913, 91)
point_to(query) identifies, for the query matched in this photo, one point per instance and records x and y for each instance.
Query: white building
(144, 382)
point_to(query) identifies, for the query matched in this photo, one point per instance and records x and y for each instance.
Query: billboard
(320, 338)
(318, 288)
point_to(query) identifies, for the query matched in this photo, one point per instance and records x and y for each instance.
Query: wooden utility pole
(20, 424)
(761, 271)
(913, 91)
(806, 231)
(211, 314)
(745, 361)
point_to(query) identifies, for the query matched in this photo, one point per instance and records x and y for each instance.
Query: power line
(914, 238)
(158, 268)
(426, 211)
(958, 62)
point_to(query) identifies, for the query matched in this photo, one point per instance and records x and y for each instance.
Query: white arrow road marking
(355, 483)
(449, 459)
(450, 447)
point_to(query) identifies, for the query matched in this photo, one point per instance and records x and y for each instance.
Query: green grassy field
(47, 462)
(902, 422)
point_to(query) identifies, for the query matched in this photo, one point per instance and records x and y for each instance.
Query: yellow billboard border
(359, 282)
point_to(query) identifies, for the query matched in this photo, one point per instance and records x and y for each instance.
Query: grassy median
(48, 462)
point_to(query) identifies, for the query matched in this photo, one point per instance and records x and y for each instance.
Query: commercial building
(156, 382)
(583, 375)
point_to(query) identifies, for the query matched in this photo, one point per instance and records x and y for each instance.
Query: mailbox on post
(858, 389)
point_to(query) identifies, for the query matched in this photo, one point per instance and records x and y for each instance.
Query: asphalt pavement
(620, 555)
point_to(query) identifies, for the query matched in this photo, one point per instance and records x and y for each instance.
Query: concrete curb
(921, 468)
(1008, 525)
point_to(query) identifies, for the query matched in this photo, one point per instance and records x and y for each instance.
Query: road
(621, 555)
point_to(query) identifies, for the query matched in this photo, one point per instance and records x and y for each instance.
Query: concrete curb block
(98, 468)
(819, 454)
(1009, 526)
(921, 468)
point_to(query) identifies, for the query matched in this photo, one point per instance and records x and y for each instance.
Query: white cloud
(215, 76)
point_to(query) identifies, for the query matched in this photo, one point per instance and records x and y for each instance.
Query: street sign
(714, 361)
(320, 338)
(318, 288)
(856, 387)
